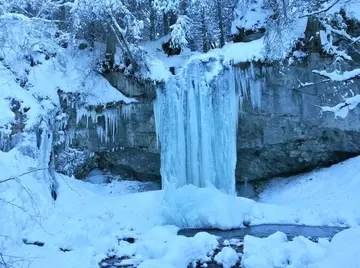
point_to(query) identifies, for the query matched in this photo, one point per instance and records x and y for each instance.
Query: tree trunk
(166, 23)
(221, 23)
(205, 39)
(110, 50)
(152, 28)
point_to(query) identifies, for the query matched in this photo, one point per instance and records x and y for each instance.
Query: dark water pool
(268, 229)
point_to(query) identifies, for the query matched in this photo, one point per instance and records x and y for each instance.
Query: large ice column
(196, 123)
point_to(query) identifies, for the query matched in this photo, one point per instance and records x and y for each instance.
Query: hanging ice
(196, 119)
(107, 122)
(196, 125)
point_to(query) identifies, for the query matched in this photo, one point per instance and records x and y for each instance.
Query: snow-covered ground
(277, 251)
(90, 220)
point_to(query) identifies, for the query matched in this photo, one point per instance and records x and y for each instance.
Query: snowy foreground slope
(90, 220)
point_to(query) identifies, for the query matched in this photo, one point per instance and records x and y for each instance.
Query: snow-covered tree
(180, 32)
(116, 18)
(211, 23)
(167, 6)
(168, 9)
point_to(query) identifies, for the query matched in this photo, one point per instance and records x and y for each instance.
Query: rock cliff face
(289, 134)
(286, 135)
(117, 137)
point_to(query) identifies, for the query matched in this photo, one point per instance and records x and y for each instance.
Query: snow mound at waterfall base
(194, 207)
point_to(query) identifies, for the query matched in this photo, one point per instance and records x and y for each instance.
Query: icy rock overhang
(133, 86)
(106, 119)
(116, 136)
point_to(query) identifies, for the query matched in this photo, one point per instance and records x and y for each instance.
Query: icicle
(100, 132)
(70, 135)
(109, 126)
(126, 111)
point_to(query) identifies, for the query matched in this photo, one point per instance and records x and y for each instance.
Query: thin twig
(23, 174)
(9, 179)
(61, 176)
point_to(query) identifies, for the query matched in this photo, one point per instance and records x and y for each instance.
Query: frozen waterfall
(196, 121)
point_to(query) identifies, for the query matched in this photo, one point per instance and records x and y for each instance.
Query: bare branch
(9, 179)
(23, 174)
(69, 185)
(120, 38)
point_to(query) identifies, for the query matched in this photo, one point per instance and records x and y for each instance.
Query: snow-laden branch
(122, 31)
(326, 39)
(325, 9)
(124, 46)
(309, 84)
(341, 32)
(16, 16)
(342, 109)
(338, 76)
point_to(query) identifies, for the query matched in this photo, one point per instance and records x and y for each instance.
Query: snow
(343, 251)
(339, 77)
(342, 109)
(79, 77)
(7, 116)
(90, 219)
(250, 15)
(329, 195)
(70, 70)
(96, 176)
(353, 9)
(159, 63)
(205, 208)
(235, 53)
(74, 73)
(277, 251)
(227, 257)
(10, 90)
